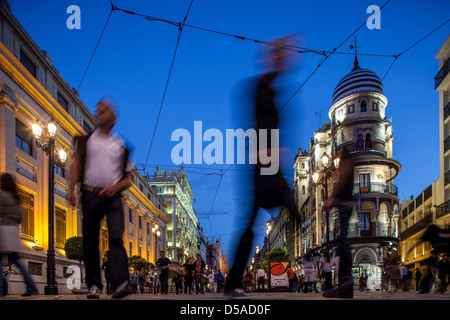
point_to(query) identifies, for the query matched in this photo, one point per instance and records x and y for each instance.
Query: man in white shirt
(100, 162)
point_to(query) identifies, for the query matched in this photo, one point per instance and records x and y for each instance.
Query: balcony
(443, 209)
(375, 187)
(446, 111)
(417, 227)
(442, 74)
(446, 144)
(447, 178)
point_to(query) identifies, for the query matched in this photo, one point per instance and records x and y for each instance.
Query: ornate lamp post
(53, 158)
(322, 178)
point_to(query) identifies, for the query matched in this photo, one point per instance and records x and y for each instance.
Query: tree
(325, 126)
(278, 254)
(139, 264)
(74, 250)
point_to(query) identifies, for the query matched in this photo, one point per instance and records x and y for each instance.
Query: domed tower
(358, 122)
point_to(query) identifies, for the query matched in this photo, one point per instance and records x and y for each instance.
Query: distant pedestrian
(261, 279)
(163, 264)
(444, 271)
(10, 218)
(188, 269)
(325, 269)
(249, 280)
(291, 277)
(219, 279)
(391, 265)
(199, 274)
(417, 277)
(310, 267)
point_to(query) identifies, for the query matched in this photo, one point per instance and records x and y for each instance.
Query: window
(62, 101)
(359, 141)
(28, 64)
(303, 190)
(130, 252)
(26, 228)
(140, 222)
(351, 108)
(364, 183)
(60, 171)
(86, 127)
(365, 224)
(60, 224)
(35, 268)
(363, 106)
(374, 106)
(368, 141)
(23, 137)
(130, 215)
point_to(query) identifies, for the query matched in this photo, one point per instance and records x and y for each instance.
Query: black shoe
(29, 293)
(122, 290)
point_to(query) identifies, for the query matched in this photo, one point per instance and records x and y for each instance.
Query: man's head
(106, 114)
(162, 253)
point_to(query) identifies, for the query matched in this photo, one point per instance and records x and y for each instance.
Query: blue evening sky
(133, 59)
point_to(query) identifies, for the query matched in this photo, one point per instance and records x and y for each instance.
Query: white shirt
(104, 160)
(326, 266)
(260, 273)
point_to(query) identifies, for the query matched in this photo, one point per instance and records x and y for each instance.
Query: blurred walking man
(100, 163)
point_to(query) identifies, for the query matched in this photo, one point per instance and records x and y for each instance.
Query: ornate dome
(358, 80)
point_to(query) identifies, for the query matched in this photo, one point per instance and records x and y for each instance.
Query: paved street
(382, 296)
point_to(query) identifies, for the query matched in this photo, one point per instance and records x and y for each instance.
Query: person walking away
(325, 267)
(135, 281)
(261, 278)
(219, 279)
(199, 274)
(270, 189)
(163, 264)
(342, 198)
(301, 283)
(10, 244)
(290, 275)
(100, 161)
(309, 264)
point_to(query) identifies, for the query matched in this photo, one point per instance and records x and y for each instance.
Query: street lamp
(326, 173)
(268, 229)
(59, 159)
(157, 233)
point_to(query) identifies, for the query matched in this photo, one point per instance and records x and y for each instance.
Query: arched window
(359, 141)
(363, 106)
(368, 141)
(303, 190)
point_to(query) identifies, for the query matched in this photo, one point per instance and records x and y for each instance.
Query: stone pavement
(375, 295)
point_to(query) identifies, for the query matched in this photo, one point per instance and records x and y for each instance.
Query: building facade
(33, 91)
(183, 227)
(358, 123)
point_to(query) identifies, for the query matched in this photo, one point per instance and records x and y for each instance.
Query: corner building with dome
(359, 123)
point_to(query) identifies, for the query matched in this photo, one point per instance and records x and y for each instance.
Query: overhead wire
(180, 30)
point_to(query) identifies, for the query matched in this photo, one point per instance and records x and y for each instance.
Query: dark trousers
(345, 265)
(188, 284)
(164, 278)
(270, 192)
(94, 209)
